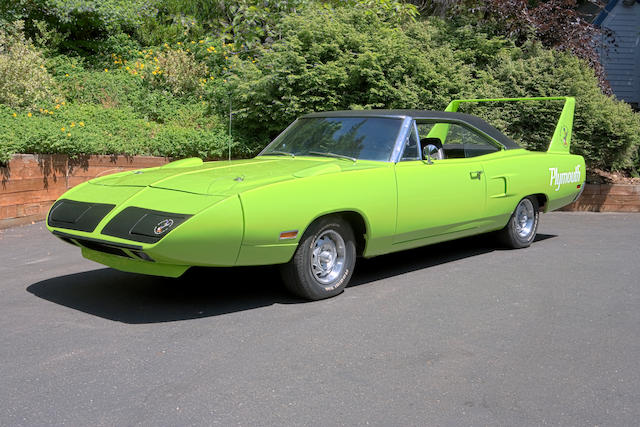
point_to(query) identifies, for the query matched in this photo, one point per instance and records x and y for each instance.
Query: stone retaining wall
(608, 198)
(31, 183)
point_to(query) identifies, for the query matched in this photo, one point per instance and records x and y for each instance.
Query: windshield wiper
(284, 153)
(337, 156)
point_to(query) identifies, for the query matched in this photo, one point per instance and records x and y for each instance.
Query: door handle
(475, 174)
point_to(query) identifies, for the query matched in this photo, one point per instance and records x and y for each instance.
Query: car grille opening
(100, 247)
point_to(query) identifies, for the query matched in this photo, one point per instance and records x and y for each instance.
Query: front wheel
(522, 226)
(323, 262)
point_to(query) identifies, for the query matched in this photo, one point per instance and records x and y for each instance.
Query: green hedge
(93, 129)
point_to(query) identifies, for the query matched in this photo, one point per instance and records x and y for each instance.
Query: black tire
(327, 246)
(522, 227)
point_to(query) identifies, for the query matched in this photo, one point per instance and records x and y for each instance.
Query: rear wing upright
(561, 140)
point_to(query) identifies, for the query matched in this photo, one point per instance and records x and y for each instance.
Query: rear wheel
(323, 262)
(523, 225)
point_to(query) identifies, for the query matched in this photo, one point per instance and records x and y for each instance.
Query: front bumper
(150, 240)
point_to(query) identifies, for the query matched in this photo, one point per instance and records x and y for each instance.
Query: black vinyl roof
(445, 116)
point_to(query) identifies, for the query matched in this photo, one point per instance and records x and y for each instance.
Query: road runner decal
(163, 226)
(557, 179)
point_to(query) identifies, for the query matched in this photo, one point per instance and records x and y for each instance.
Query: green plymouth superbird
(331, 187)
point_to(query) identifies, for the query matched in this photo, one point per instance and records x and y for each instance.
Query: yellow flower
(106, 70)
(81, 123)
(69, 134)
(126, 68)
(14, 115)
(62, 129)
(66, 75)
(57, 106)
(72, 124)
(50, 112)
(29, 114)
(45, 111)
(62, 103)
(141, 66)
(201, 41)
(179, 42)
(193, 42)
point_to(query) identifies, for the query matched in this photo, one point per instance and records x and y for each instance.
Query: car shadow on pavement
(382, 267)
(205, 292)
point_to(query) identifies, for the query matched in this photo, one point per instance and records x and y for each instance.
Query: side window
(411, 146)
(464, 142)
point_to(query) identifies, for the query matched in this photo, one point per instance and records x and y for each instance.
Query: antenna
(229, 142)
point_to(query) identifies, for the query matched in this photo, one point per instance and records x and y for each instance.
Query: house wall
(621, 59)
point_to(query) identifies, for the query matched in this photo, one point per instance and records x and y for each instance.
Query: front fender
(212, 237)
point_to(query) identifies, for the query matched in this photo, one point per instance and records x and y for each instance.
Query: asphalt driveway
(453, 334)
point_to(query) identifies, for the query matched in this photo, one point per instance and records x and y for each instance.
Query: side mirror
(429, 151)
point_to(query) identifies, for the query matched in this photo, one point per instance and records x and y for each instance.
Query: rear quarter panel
(514, 174)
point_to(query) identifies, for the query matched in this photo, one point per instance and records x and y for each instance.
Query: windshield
(362, 138)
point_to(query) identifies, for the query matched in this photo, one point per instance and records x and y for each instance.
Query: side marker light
(286, 235)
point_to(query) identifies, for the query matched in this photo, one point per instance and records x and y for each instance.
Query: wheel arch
(356, 220)
(543, 201)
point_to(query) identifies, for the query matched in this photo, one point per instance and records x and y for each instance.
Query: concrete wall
(31, 183)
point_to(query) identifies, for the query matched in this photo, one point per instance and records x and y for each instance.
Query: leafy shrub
(343, 58)
(24, 80)
(110, 88)
(177, 71)
(84, 18)
(92, 129)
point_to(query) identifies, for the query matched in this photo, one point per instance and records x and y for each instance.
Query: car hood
(231, 177)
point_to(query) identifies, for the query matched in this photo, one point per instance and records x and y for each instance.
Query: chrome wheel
(327, 257)
(524, 218)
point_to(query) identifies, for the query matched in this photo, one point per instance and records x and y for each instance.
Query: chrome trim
(402, 135)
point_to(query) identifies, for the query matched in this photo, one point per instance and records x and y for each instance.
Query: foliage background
(160, 77)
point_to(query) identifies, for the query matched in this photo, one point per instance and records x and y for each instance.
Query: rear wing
(561, 140)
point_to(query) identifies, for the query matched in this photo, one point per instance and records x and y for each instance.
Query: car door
(445, 198)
